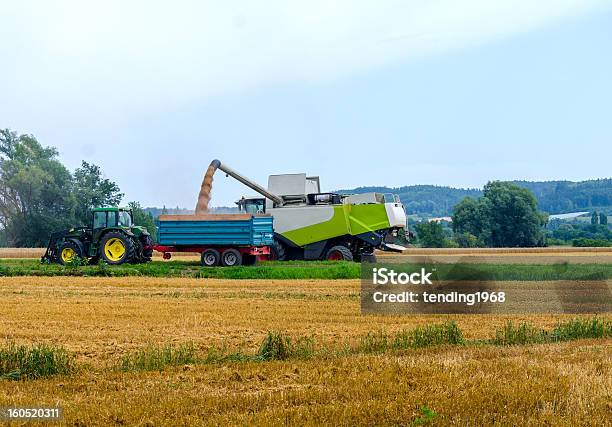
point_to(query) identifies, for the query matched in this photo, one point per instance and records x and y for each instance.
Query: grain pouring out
(205, 189)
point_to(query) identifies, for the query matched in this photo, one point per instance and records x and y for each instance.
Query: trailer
(220, 239)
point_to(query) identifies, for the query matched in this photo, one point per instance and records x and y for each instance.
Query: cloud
(123, 59)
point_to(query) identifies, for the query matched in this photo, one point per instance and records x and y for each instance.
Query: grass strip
(295, 270)
(280, 346)
(20, 362)
(33, 362)
(288, 270)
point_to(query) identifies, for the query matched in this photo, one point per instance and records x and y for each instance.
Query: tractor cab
(112, 217)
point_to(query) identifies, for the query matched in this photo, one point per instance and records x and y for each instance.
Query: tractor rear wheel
(231, 258)
(116, 248)
(68, 252)
(339, 253)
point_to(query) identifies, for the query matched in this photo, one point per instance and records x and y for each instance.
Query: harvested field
(102, 319)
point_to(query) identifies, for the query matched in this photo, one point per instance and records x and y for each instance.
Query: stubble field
(102, 320)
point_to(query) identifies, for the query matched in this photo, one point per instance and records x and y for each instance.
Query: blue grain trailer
(221, 239)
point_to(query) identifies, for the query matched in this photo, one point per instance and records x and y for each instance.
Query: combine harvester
(312, 225)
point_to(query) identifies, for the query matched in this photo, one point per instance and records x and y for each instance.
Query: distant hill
(553, 196)
(428, 200)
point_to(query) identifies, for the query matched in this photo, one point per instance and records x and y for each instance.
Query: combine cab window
(125, 220)
(252, 206)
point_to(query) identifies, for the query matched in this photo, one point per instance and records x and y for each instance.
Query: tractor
(112, 238)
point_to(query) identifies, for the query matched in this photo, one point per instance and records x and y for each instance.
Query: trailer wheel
(210, 257)
(339, 253)
(231, 258)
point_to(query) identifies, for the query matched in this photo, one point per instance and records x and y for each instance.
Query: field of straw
(104, 320)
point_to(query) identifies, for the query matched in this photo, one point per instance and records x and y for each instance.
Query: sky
(445, 92)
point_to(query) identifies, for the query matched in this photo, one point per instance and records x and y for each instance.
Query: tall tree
(603, 218)
(92, 190)
(34, 190)
(506, 216)
(594, 218)
(431, 234)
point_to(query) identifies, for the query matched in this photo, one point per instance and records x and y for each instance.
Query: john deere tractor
(112, 237)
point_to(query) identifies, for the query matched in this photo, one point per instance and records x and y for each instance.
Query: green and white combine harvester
(312, 225)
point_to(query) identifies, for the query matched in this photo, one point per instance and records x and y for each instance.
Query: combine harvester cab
(312, 225)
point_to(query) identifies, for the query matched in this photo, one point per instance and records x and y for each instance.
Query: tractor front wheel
(69, 252)
(116, 248)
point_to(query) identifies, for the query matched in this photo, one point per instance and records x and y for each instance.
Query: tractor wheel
(68, 252)
(210, 258)
(278, 251)
(231, 258)
(339, 253)
(117, 248)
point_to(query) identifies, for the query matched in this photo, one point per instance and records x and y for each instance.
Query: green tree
(603, 218)
(506, 216)
(143, 219)
(39, 195)
(35, 190)
(594, 218)
(431, 234)
(91, 190)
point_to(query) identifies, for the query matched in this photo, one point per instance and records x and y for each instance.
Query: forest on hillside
(553, 196)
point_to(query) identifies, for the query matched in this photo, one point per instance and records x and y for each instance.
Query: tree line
(505, 216)
(39, 195)
(552, 196)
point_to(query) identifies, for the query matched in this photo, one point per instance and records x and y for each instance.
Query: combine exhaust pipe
(254, 186)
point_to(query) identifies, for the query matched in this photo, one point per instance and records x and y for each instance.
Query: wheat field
(100, 320)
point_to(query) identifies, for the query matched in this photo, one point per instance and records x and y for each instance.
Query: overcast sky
(448, 92)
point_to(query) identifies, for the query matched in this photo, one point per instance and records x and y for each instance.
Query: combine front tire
(69, 251)
(116, 248)
(339, 253)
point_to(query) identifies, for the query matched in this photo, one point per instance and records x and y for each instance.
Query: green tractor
(112, 238)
